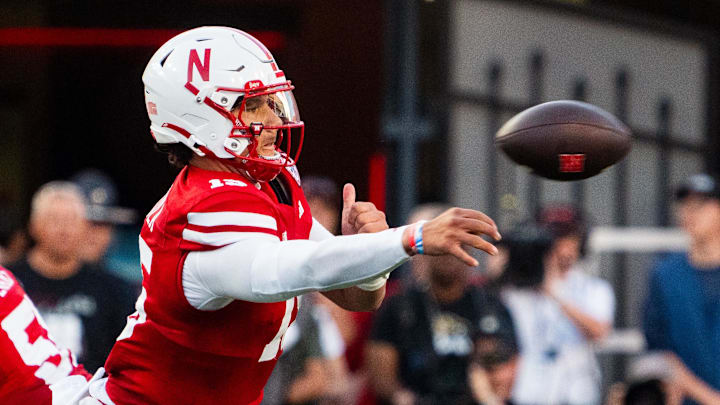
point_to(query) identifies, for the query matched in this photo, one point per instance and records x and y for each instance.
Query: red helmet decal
(203, 68)
(254, 84)
(151, 108)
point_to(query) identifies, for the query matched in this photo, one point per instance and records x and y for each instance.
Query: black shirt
(84, 313)
(434, 341)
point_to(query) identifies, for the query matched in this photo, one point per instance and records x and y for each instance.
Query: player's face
(260, 109)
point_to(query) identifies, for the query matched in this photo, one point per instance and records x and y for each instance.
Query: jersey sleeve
(10, 293)
(228, 217)
(30, 359)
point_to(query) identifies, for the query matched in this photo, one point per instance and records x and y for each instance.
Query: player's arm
(360, 217)
(369, 295)
(261, 268)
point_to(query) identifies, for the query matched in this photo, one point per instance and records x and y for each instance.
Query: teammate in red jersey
(33, 370)
(231, 246)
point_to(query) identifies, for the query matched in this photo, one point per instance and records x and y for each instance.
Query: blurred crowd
(521, 330)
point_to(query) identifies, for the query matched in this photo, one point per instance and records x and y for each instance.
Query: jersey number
(272, 349)
(18, 326)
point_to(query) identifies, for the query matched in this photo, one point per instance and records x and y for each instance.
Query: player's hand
(454, 229)
(360, 216)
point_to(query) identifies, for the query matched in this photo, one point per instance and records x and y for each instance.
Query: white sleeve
(319, 233)
(265, 270)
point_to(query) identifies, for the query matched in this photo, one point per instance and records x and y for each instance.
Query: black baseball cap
(101, 197)
(701, 184)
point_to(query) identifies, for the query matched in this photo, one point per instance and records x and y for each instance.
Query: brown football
(564, 139)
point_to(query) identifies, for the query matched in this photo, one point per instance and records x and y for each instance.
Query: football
(564, 139)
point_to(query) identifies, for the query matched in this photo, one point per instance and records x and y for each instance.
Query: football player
(232, 244)
(33, 369)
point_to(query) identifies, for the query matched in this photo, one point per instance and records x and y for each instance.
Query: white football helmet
(194, 81)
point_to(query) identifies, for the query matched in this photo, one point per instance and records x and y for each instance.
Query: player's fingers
(369, 217)
(461, 254)
(478, 227)
(468, 213)
(478, 243)
(359, 208)
(363, 206)
(348, 196)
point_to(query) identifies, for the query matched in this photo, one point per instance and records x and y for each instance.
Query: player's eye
(254, 103)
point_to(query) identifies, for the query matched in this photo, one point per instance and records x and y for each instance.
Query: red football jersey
(172, 353)
(29, 359)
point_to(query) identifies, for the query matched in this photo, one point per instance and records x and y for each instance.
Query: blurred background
(401, 98)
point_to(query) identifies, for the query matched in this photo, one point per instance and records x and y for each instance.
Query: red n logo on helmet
(203, 69)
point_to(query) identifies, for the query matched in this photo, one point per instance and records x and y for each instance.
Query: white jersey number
(39, 352)
(271, 349)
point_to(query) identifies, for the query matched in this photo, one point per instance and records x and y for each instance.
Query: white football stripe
(232, 218)
(223, 238)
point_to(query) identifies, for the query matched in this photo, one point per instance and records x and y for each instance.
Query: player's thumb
(348, 196)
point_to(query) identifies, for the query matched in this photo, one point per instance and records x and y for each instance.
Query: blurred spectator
(495, 355)
(421, 342)
(558, 309)
(682, 313)
(658, 378)
(84, 309)
(103, 213)
(649, 382)
(647, 392)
